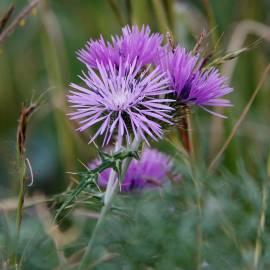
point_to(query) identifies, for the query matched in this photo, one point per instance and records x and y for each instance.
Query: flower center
(120, 100)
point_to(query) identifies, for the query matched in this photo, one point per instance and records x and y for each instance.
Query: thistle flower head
(206, 89)
(190, 84)
(150, 171)
(122, 98)
(132, 44)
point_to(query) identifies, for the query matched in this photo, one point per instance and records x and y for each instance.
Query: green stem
(19, 214)
(107, 204)
(113, 176)
(86, 256)
(185, 132)
(20, 201)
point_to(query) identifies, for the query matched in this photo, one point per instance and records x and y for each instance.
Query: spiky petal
(139, 44)
(133, 43)
(207, 89)
(192, 86)
(98, 51)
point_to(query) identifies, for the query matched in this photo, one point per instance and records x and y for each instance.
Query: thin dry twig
(59, 238)
(25, 12)
(105, 258)
(170, 40)
(199, 42)
(240, 120)
(10, 204)
(237, 40)
(26, 113)
(72, 260)
(4, 20)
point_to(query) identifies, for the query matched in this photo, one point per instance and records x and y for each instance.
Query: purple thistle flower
(191, 86)
(206, 89)
(132, 44)
(125, 99)
(150, 171)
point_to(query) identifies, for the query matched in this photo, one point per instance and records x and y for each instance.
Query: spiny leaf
(89, 178)
(81, 186)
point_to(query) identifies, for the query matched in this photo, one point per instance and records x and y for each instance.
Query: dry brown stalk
(4, 20)
(240, 119)
(18, 20)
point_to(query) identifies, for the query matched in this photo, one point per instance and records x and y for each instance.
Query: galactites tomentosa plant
(124, 94)
(131, 87)
(133, 82)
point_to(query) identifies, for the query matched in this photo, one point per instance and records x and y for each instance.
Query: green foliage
(164, 228)
(159, 228)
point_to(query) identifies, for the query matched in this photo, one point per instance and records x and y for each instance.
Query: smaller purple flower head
(125, 99)
(192, 86)
(150, 171)
(133, 44)
(207, 89)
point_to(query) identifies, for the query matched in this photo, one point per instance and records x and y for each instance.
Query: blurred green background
(40, 56)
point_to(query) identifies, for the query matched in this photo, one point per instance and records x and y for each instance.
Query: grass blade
(240, 119)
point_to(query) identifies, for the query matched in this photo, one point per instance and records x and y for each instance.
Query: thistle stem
(112, 183)
(185, 132)
(110, 191)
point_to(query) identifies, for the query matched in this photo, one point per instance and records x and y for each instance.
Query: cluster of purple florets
(191, 86)
(131, 84)
(150, 171)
